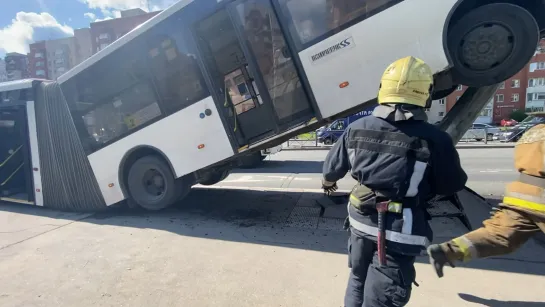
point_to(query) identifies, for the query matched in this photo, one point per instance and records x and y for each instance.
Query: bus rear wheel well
(132, 156)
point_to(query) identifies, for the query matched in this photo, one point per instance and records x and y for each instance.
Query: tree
(518, 115)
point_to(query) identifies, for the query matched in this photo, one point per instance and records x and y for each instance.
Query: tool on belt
(383, 208)
(364, 200)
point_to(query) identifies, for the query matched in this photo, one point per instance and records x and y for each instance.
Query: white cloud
(90, 16)
(116, 4)
(112, 8)
(27, 28)
(111, 13)
(113, 5)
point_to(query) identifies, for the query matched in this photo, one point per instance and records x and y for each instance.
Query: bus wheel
(492, 43)
(214, 177)
(152, 185)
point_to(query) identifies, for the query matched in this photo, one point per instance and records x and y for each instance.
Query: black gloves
(329, 187)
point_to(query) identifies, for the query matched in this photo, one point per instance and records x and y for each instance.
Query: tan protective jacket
(528, 192)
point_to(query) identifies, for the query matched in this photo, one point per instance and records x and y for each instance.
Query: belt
(393, 207)
(532, 180)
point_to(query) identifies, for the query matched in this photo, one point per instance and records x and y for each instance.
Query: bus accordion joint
(344, 84)
(201, 146)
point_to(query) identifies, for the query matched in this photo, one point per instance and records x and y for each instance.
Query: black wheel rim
(153, 183)
(486, 46)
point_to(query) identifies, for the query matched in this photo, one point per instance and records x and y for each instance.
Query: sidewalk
(311, 145)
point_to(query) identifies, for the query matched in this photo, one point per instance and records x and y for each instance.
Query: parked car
(329, 134)
(514, 133)
(507, 122)
(490, 130)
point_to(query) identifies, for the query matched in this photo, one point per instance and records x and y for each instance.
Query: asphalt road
(242, 247)
(489, 170)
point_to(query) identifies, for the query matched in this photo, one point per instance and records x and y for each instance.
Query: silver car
(490, 130)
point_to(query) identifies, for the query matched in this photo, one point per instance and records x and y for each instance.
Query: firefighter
(398, 160)
(519, 217)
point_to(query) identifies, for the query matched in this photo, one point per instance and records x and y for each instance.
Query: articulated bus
(178, 100)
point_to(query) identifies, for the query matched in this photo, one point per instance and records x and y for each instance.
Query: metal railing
(471, 136)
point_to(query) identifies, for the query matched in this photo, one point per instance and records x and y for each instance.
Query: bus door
(15, 167)
(245, 53)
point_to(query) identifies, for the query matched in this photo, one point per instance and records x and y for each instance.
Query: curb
(457, 147)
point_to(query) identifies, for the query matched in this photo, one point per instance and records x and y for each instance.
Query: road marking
(244, 179)
(497, 171)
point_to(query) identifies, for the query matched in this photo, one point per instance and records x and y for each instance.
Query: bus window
(128, 110)
(179, 79)
(113, 104)
(268, 44)
(239, 93)
(313, 19)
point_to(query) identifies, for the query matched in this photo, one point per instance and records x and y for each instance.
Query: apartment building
(16, 66)
(83, 44)
(437, 110)
(103, 33)
(535, 92)
(3, 73)
(61, 56)
(523, 91)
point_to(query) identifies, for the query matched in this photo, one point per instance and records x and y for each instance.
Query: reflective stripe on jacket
(528, 192)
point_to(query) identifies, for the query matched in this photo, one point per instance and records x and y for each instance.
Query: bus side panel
(189, 141)
(410, 28)
(34, 154)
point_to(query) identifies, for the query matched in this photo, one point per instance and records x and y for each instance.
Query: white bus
(183, 97)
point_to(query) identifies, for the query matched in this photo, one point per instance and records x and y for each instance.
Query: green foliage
(518, 115)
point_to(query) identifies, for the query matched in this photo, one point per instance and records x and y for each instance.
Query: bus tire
(491, 43)
(214, 177)
(151, 184)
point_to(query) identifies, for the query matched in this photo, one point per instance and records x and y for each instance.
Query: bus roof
(123, 40)
(17, 85)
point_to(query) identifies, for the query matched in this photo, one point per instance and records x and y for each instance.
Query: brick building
(52, 58)
(37, 61)
(106, 32)
(523, 91)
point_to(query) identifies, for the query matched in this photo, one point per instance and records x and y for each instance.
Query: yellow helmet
(408, 80)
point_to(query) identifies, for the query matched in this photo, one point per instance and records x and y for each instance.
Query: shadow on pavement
(495, 303)
(294, 220)
(288, 166)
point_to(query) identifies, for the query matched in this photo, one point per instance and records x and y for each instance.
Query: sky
(23, 22)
